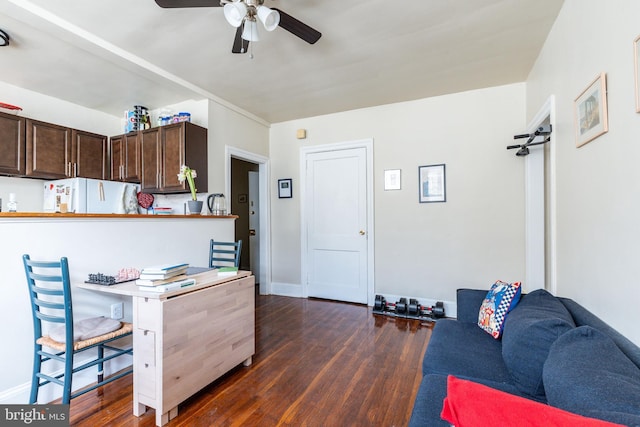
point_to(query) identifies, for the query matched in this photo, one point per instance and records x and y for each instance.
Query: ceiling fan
(244, 14)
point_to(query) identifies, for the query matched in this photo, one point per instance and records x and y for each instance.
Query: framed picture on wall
(432, 183)
(284, 188)
(392, 179)
(590, 111)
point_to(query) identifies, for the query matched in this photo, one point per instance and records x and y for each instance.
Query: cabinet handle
(75, 170)
(121, 171)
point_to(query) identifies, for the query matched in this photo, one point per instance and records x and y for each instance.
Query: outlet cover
(116, 310)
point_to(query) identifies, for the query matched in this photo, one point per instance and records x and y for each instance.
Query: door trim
(540, 265)
(265, 207)
(367, 144)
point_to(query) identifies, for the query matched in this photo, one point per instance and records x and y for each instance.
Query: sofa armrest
(468, 304)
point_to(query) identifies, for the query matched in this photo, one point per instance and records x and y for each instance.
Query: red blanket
(470, 404)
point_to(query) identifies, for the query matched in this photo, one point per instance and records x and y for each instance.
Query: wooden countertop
(107, 216)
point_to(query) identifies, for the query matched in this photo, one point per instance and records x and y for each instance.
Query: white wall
(598, 185)
(422, 250)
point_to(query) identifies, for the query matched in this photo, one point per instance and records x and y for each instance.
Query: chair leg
(101, 364)
(35, 381)
(68, 377)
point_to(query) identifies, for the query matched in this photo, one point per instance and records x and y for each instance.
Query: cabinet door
(151, 160)
(48, 150)
(115, 163)
(12, 144)
(131, 157)
(173, 157)
(89, 151)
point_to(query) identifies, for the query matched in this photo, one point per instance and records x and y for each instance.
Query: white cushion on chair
(86, 328)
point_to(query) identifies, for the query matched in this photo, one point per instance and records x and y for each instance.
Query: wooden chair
(224, 254)
(50, 294)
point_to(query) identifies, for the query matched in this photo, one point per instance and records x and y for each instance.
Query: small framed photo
(392, 179)
(432, 183)
(284, 188)
(590, 111)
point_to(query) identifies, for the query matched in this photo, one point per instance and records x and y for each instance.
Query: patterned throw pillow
(500, 299)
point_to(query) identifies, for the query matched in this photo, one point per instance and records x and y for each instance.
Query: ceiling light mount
(4, 39)
(244, 12)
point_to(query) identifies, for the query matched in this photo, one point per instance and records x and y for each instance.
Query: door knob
(362, 232)
(252, 232)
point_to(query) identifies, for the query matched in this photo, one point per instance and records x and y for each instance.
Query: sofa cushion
(500, 299)
(529, 331)
(469, 404)
(463, 349)
(588, 374)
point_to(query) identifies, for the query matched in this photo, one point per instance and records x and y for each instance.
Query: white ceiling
(112, 54)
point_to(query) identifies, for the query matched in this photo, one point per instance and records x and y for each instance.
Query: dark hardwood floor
(317, 363)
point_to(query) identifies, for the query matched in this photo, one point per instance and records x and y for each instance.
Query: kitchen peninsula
(93, 243)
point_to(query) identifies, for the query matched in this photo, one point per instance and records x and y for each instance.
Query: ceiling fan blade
(298, 28)
(240, 45)
(188, 3)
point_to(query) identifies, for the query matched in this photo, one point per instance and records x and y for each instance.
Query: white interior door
(254, 224)
(337, 229)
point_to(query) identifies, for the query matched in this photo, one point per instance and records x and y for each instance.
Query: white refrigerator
(83, 195)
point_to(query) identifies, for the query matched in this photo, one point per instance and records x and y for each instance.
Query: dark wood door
(131, 162)
(12, 141)
(151, 160)
(173, 157)
(48, 149)
(116, 163)
(89, 151)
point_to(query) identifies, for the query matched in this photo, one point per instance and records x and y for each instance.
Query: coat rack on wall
(539, 137)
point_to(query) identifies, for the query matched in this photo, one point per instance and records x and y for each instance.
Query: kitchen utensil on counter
(217, 204)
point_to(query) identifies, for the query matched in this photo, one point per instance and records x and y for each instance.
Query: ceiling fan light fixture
(270, 18)
(250, 32)
(235, 12)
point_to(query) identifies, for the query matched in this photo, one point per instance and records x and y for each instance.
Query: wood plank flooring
(317, 363)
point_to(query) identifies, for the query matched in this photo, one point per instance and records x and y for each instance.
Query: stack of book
(162, 278)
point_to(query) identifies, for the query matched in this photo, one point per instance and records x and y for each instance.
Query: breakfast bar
(93, 243)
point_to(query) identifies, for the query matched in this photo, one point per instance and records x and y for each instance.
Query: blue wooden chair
(50, 294)
(224, 254)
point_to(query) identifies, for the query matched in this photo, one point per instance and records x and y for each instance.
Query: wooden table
(185, 339)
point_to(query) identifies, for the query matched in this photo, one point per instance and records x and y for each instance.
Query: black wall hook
(532, 140)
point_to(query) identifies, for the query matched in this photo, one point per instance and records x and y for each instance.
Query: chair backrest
(50, 294)
(224, 254)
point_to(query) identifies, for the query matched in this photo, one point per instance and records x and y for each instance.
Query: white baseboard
(50, 392)
(286, 289)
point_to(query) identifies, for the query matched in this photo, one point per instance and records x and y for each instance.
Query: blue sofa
(552, 350)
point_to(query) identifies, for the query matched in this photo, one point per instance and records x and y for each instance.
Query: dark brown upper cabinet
(89, 155)
(165, 149)
(56, 152)
(48, 150)
(12, 141)
(125, 157)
